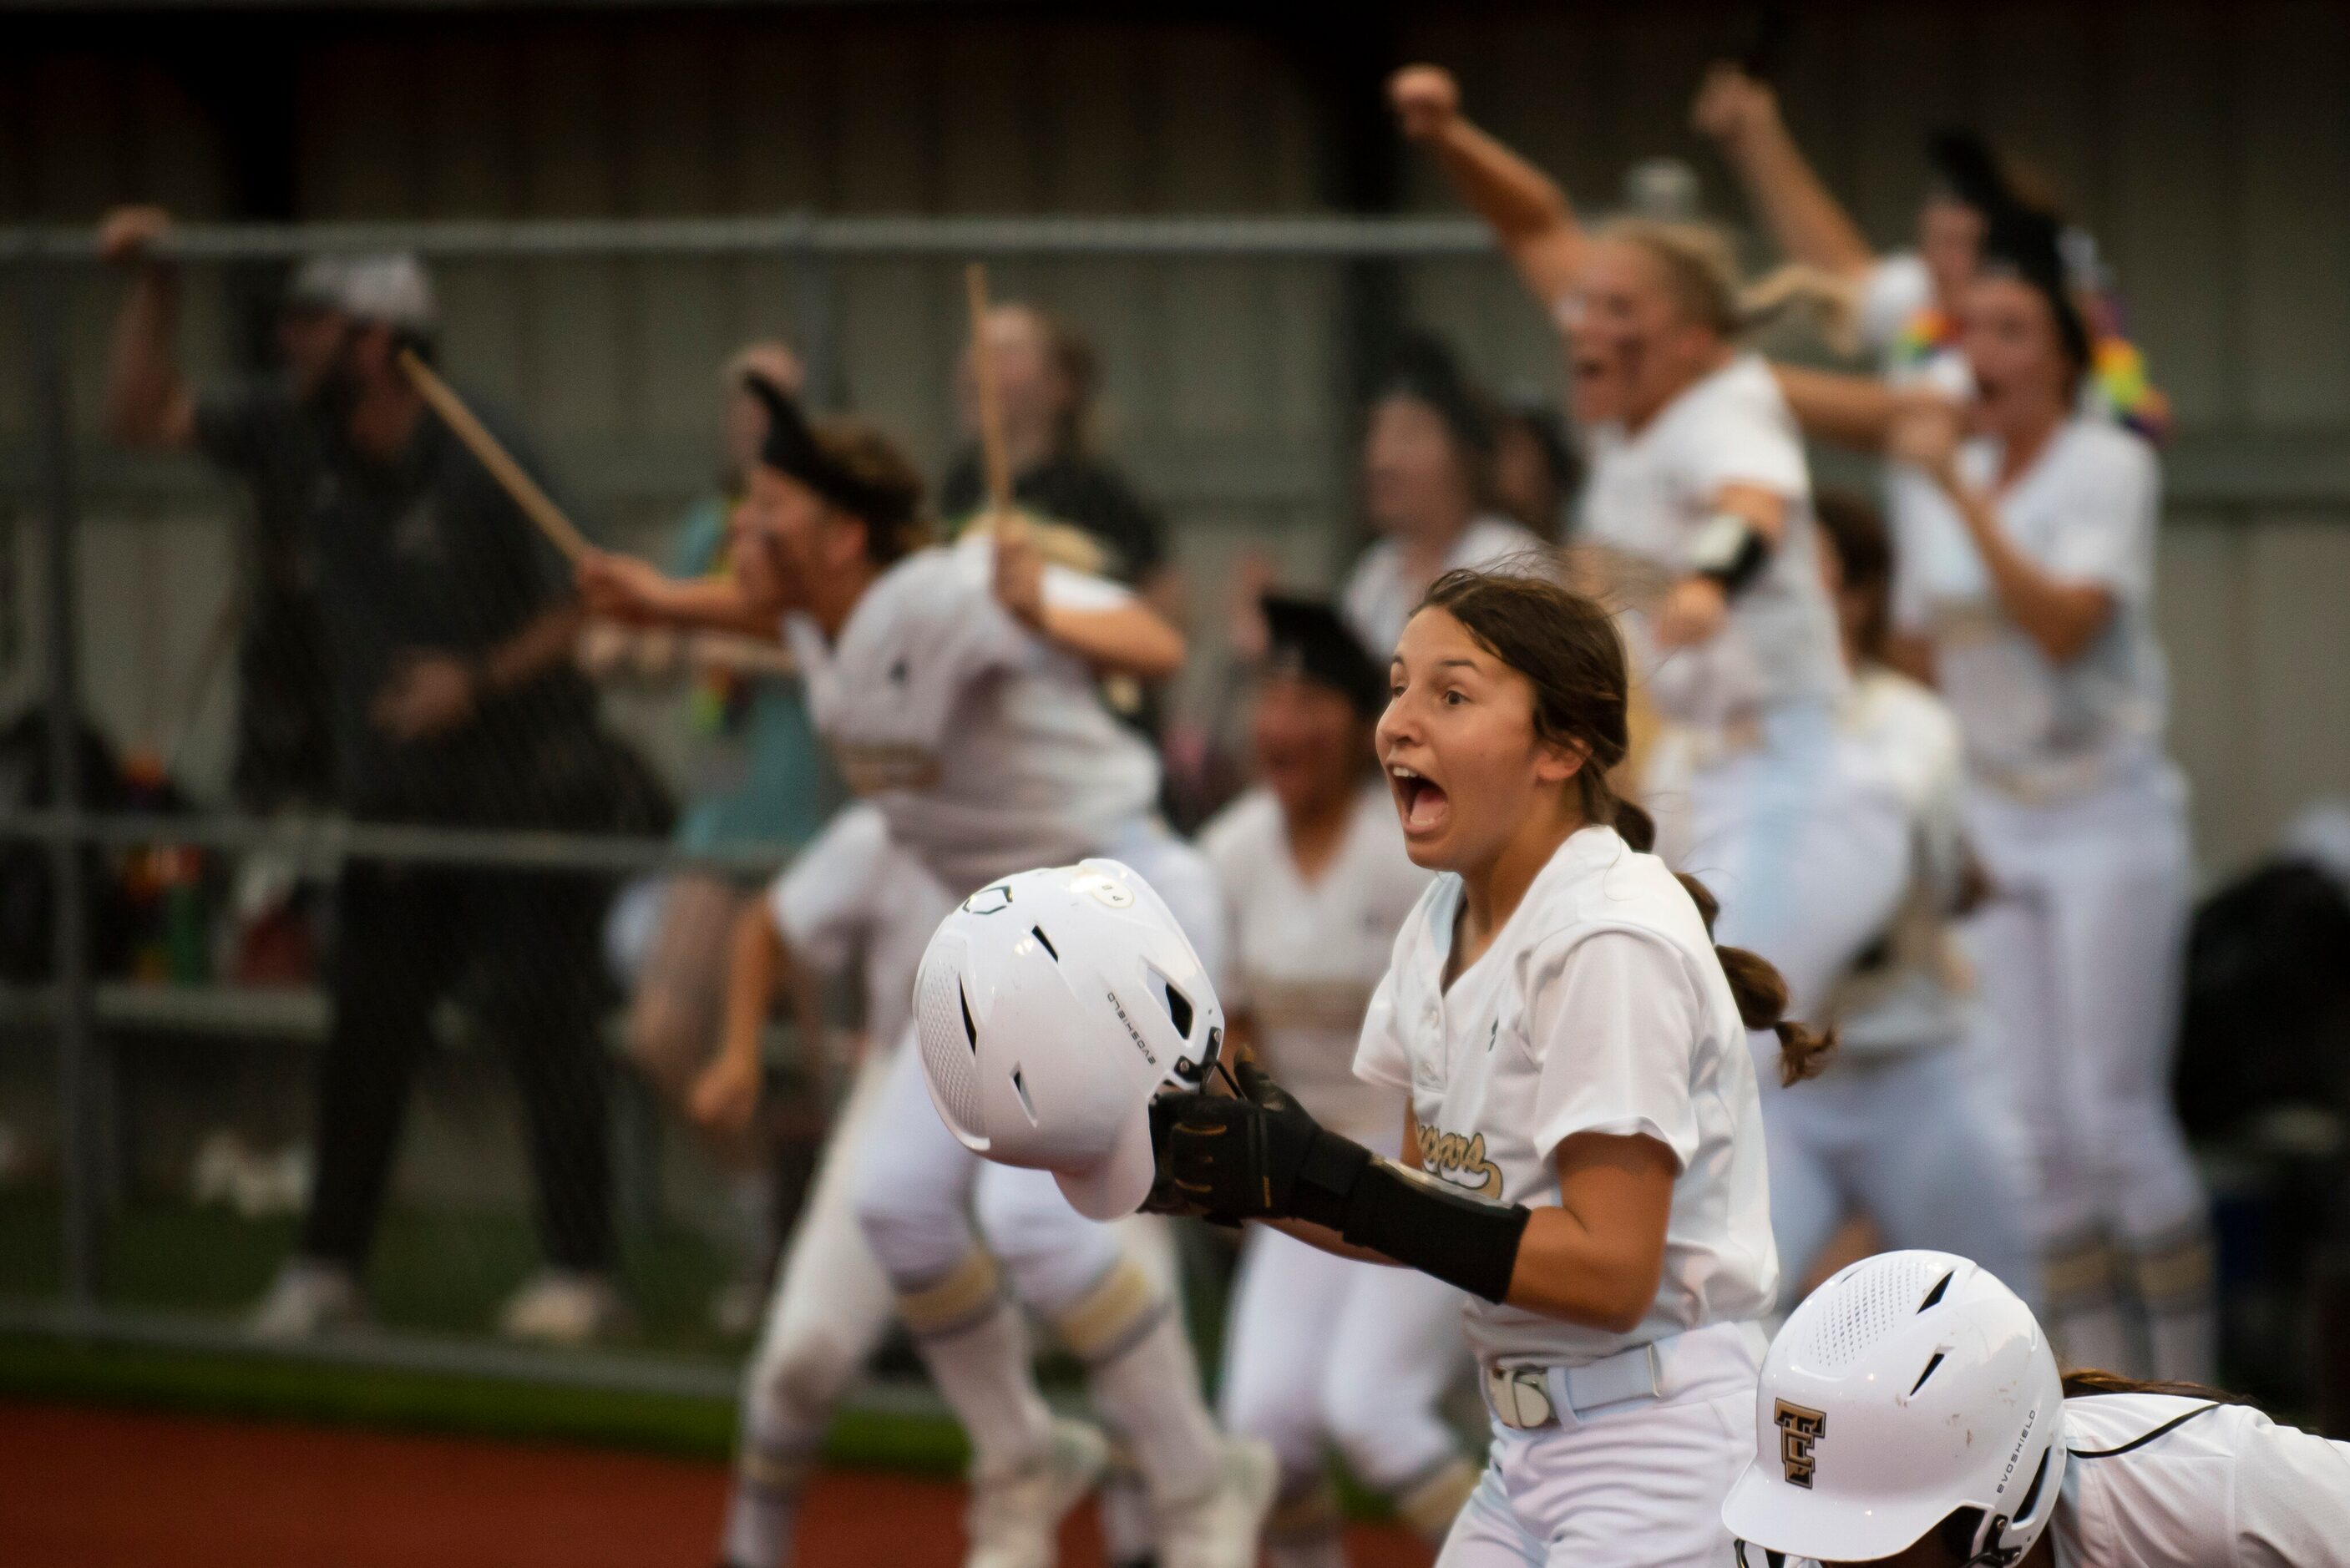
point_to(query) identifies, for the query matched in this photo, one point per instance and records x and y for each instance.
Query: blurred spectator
(755, 774)
(1535, 472)
(1428, 490)
(282, 751)
(453, 702)
(1044, 378)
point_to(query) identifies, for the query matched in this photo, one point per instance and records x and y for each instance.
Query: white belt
(1523, 1397)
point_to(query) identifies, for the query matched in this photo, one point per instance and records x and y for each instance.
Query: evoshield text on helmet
(1051, 1006)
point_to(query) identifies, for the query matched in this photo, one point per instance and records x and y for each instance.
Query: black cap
(1965, 171)
(2027, 246)
(1306, 637)
(1424, 370)
(790, 448)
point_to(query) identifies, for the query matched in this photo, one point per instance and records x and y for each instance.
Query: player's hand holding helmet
(1911, 1393)
(1052, 1007)
(1242, 1158)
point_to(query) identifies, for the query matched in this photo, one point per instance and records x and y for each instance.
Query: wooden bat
(1004, 518)
(511, 476)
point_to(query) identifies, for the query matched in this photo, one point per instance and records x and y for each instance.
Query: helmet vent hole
(1929, 1368)
(1870, 1301)
(1934, 1296)
(1045, 942)
(1020, 1087)
(1178, 1005)
(2032, 1493)
(970, 1029)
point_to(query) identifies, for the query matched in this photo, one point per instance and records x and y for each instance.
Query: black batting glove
(1259, 1157)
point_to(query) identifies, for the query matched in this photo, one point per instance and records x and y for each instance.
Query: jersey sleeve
(1896, 287)
(994, 639)
(1613, 1018)
(823, 905)
(1379, 1055)
(2106, 535)
(2293, 1499)
(1747, 438)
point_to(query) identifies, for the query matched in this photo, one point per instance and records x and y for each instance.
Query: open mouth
(1420, 800)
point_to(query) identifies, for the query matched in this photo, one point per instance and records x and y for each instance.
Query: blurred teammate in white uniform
(1700, 477)
(1321, 1350)
(850, 896)
(1911, 1124)
(1911, 1416)
(2042, 640)
(1427, 488)
(955, 686)
(1585, 1152)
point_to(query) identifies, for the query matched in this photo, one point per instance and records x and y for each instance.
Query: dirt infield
(111, 1489)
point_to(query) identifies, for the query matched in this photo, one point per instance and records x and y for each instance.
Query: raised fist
(125, 234)
(1426, 99)
(1730, 104)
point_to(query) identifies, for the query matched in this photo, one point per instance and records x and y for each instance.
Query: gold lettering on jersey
(1460, 1161)
(871, 769)
(1799, 1430)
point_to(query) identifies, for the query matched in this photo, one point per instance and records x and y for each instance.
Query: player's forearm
(1128, 639)
(1528, 211)
(1849, 411)
(544, 642)
(147, 402)
(1810, 224)
(2063, 618)
(756, 962)
(1566, 1268)
(711, 603)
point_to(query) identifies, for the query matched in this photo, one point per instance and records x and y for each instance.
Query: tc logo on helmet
(1799, 1429)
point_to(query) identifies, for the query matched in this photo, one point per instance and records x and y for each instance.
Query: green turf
(436, 1271)
(269, 1388)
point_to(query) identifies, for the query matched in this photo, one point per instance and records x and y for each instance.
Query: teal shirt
(756, 772)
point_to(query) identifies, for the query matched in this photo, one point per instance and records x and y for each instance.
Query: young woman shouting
(1583, 1148)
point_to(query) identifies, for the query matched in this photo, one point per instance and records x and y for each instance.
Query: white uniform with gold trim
(988, 751)
(2081, 822)
(1759, 691)
(850, 897)
(1598, 1007)
(1321, 1351)
(987, 748)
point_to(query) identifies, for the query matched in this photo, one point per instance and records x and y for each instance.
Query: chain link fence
(261, 877)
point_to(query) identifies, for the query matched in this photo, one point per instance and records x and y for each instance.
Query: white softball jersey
(1598, 1007)
(2156, 1481)
(1649, 493)
(1898, 749)
(853, 894)
(1308, 954)
(2085, 511)
(1380, 593)
(986, 748)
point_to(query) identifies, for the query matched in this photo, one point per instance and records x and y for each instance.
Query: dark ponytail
(1567, 648)
(2084, 1381)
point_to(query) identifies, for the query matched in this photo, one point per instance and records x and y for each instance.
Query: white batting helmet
(1909, 1386)
(1051, 1006)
